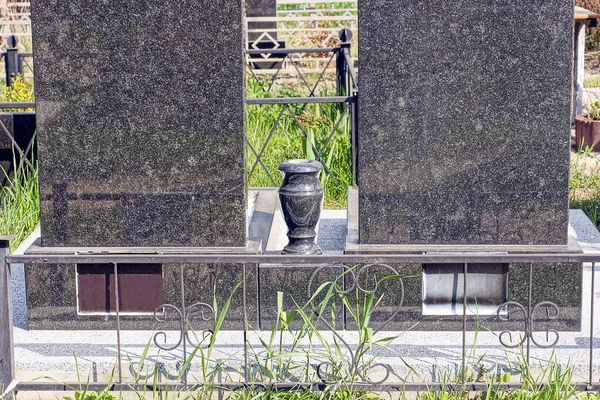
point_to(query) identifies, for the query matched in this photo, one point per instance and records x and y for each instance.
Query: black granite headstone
(256, 29)
(464, 121)
(140, 122)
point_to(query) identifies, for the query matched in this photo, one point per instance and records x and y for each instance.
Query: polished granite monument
(141, 122)
(464, 122)
(141, 127)
(464, 146)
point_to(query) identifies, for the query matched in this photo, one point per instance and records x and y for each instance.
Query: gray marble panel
(464, 121)
(140, 122)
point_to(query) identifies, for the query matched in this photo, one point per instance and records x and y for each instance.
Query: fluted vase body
(301, 198)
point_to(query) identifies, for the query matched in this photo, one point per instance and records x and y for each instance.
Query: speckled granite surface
(140, 122)
(464, 117)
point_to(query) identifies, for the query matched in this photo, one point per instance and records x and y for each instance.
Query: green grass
(592, 82)
(584, 189)
(19, 203)
(289, 142)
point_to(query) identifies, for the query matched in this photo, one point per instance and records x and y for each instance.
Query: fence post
(345, 36)
(11, 60)
(7, 366)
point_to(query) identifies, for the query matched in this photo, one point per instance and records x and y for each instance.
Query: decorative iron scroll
(356, 365)
(203, 310)
(552, 312)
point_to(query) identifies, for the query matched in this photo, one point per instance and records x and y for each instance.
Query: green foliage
(584, 188)
(304, 395)
(550, 384)
(288, 141)
(21, 91)
(593, 111)
(588, 396)
(592, 82)
(443, 395)
(19, 202)
(83, 395)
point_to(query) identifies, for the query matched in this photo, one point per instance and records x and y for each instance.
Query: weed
(19, 202)
(21, 91)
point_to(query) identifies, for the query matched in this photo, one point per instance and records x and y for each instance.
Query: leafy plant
(19, 202)
(593, 111)
(584, 187)
(302, 129)
(20, 91)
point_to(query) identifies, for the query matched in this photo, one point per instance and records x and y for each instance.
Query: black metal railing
(15, 62)
(346, 95)
(334, 284)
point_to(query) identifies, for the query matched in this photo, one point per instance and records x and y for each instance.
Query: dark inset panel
(52, 297)
(140, 288)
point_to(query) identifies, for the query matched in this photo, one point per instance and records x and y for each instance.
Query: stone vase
(301, 198)
(587, 133)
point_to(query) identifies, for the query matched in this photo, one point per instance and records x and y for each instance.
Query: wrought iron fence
(344, 90)
(326, 87)
(341, 293)
(16, 63)
(304, 24)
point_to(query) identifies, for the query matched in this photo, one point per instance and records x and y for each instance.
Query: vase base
(302, 248)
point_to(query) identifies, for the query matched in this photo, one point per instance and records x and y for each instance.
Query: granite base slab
(557, 283)
(52, 290)
(354, 246)
(297, 286)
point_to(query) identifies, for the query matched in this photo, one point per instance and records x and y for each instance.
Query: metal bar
(292, 51)
(312, 92)
(7, 358)
(245, 317)
(258, 160)
(354, 139)
(118, 312)
(184, 325)
(302, 100)
(339, 74)
(17, 105)
(592, 301)
(11, 63)
(31, 143)
(350, 64)
(335, 128)
(326, 258)
(300, 74)
(529, 328)
(264, 147)
(16, 146)
(464, 325)
(250, 65)
(233, 386)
